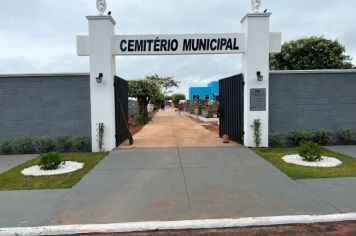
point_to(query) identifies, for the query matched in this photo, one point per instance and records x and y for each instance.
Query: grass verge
(14, 180)
(274, 156)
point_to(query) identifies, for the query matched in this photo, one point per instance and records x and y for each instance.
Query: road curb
(176, 225)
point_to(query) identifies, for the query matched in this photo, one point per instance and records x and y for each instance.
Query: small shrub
(310, 151)
(100, 136)
(50, 161)
(44, 145)
(79, 142)
(62, 143)
(347, 136)
(323, 136)
(298, 136)
(142, 120)
(22, 145)
(6, 147)
(277, 140)
(256, 126)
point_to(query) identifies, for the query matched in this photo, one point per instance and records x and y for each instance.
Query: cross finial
(255, 4)
(101, 6)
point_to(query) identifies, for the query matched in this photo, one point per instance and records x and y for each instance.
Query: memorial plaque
(258, 99)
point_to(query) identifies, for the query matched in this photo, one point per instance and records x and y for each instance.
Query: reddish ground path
(171, 129)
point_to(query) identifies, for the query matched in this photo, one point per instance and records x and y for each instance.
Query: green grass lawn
(274, 155)
(14, 180)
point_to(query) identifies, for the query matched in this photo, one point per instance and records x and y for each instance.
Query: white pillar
(102, 96)
(255, 26)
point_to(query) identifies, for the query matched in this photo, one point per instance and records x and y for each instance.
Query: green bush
(79, 142)
(44, 144)
(277, 140)
(6, 147)
(298, 136)
(310, 151)
(142, 120)
(50, 161)
(22, 145)
(62, 143)
(256, 126)
(347, 136)
(323, 136)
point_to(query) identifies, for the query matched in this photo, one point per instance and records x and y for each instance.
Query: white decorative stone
(101, 6)
(255, 4)
(325, 161)
(65, 167)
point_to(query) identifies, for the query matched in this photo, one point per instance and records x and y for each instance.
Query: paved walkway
(349, 150)
(8, 162)
(187, 183)
(147, 184)
(170, 129)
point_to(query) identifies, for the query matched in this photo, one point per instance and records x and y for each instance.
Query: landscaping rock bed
(66, 167)
(325, 161)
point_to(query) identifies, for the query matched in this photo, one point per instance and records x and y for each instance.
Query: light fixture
(259, 76)
(99, 79)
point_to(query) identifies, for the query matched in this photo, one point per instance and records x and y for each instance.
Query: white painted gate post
(102, 95)
(255, 26)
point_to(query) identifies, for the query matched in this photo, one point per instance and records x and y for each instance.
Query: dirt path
(170, 129)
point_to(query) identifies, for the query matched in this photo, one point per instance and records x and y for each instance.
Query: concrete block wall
(44, 105)
(312, 100)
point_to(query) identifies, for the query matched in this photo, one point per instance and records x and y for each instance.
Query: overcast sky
(38, 36)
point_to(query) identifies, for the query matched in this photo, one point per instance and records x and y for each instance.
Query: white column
(102, 96)
(255, 26)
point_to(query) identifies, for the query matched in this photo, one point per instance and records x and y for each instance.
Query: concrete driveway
(185, 183)
(8, 162)
(175, 184)
(348, 150)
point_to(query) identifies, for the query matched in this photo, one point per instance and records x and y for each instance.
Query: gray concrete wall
(133, 108)
(312, 100)
(44, 105)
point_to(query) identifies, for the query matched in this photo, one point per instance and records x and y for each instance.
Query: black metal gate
(121, 110)
(231, 98)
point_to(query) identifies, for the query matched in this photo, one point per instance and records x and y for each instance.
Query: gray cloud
(39, 35)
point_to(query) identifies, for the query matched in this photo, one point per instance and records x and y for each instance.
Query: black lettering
(156, 44)
(236, 47)
(174, 45)
(202, 44)
(122, 47)
(229, 44)
(213, 44)
(223, 43)
(163, 45)
(187, 44)
(139, 45)
(218, 45)
(131, 46)
(195, 45)
(150, 41)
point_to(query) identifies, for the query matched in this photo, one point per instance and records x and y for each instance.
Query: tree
(176, 97)
(168, 98)
(144, 90)
(157, 100)
(310, 54)
(165, 83)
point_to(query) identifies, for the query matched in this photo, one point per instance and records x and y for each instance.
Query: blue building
(205, 93)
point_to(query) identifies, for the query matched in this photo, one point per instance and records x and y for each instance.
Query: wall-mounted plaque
(258, 99)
